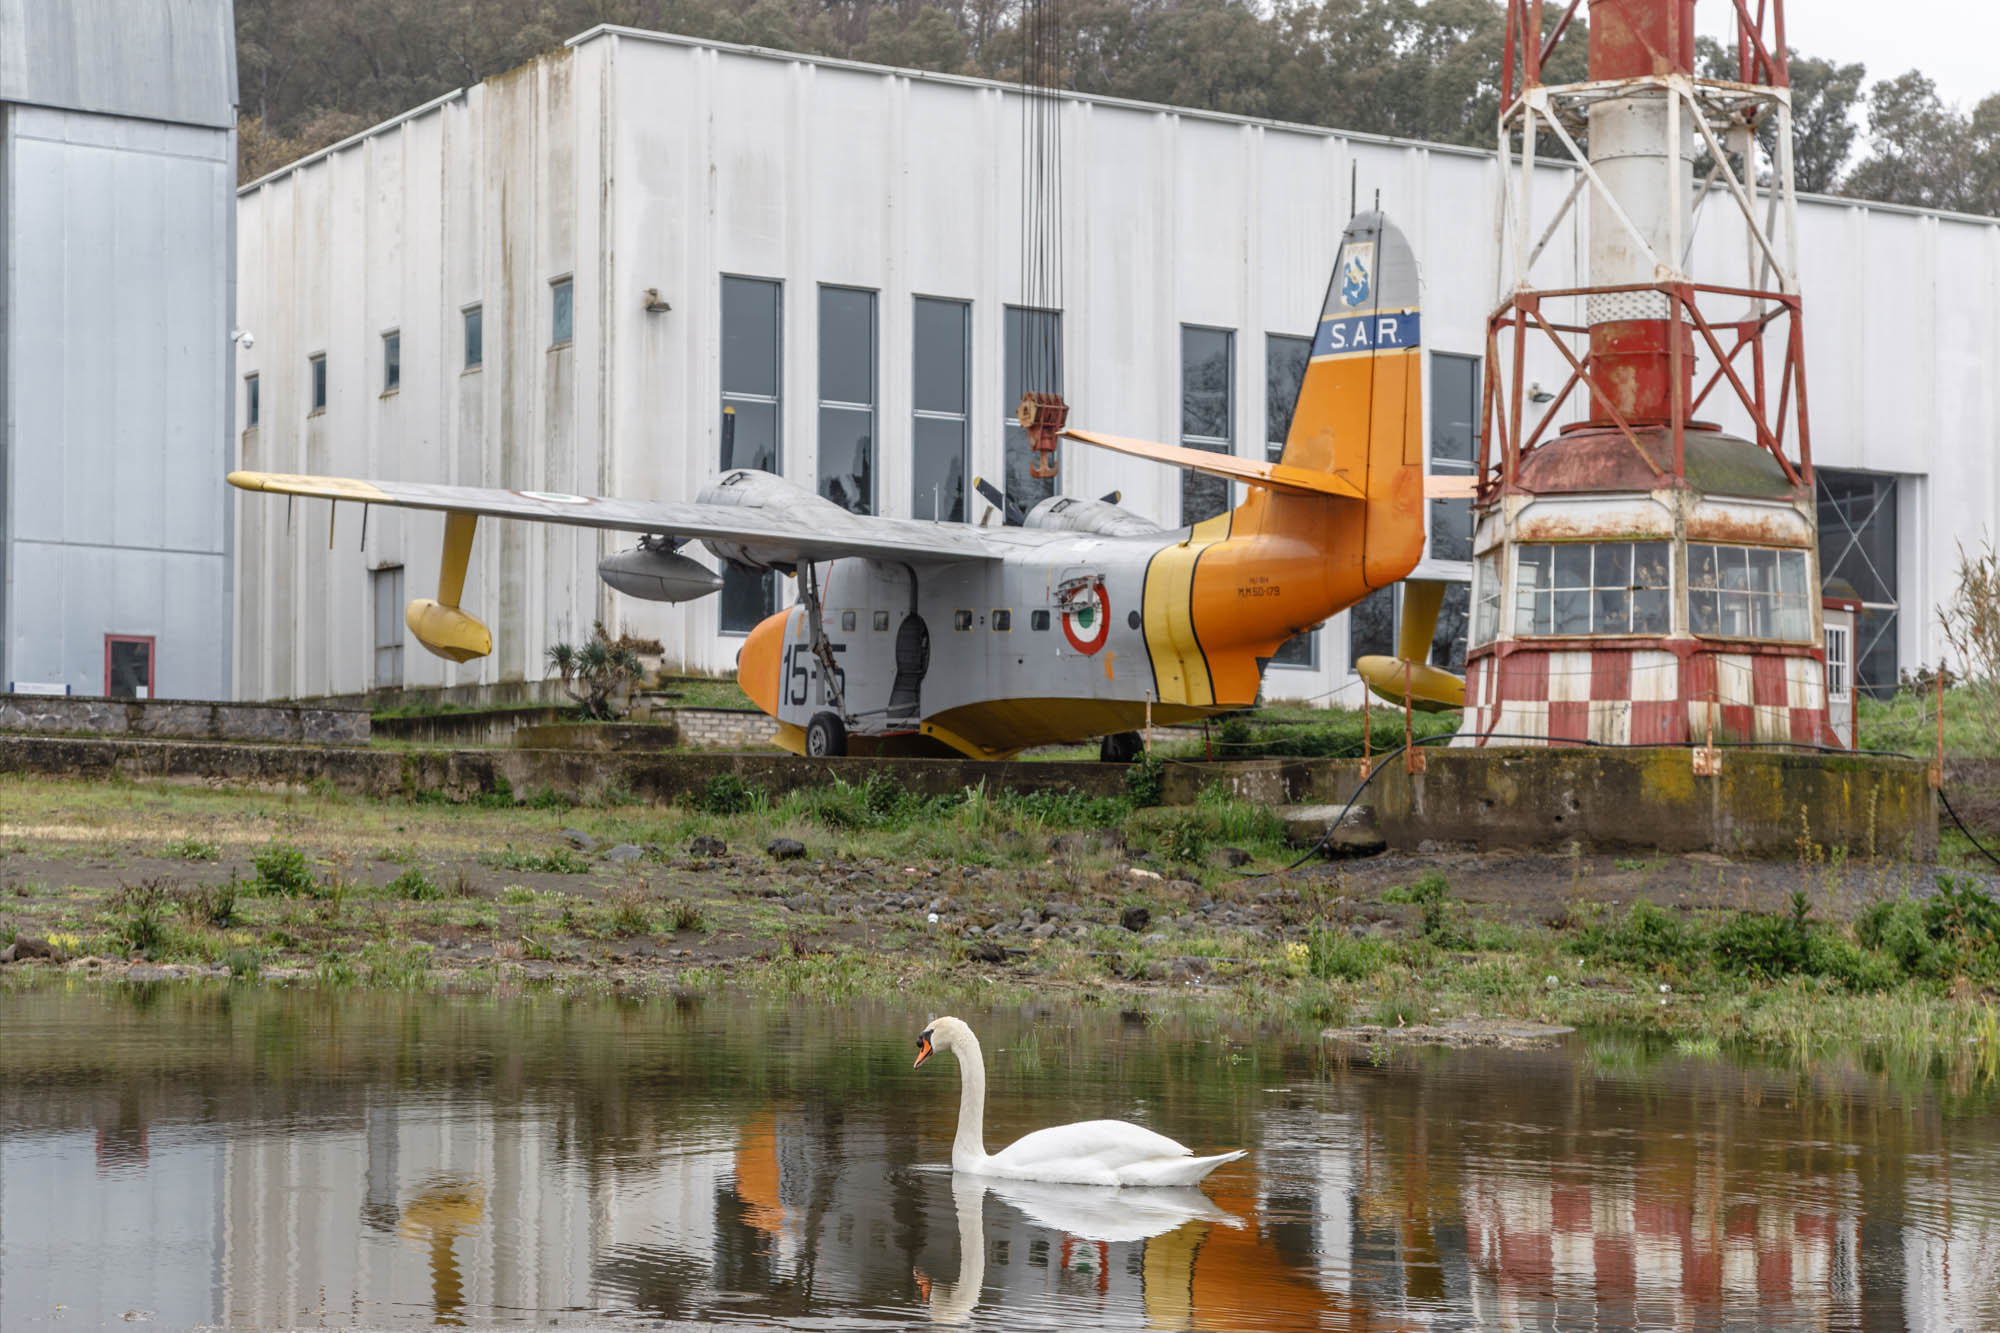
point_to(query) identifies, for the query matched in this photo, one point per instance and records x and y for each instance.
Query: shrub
(629, 915)
(211, 904)
(685, 915)
(603, 668)
(1646, 937)
(1334, 955)
(141, 926)
(1432, 896)
(1185, 839)
(415, 885)
(560, 861)
(395, 963)
(1145, 779)
(1759, 944)
(728, 794)
(282, 872)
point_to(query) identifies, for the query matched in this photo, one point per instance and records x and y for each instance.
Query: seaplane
(1079, 620)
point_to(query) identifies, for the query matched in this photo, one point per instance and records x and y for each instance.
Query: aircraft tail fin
(1360, 407)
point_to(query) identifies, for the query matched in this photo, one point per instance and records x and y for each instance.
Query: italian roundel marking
(1086, 617)
(554, 497)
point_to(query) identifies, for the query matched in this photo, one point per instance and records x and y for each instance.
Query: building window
(1374, 625)
(752, 347)
(941, 394)
(562, 321)
(847, 398)
(1486, 586)
(128, 666)
(1747, 592)
(1454, 446)
(1285, 362)
(1208, 416)
(392, 360)
(316, 367)
(1301, 650)
(1595, 588)
(386, 586)
(252, 403)
(1371, 626)
(1857, 559)
(475, 336)
(1034, 359)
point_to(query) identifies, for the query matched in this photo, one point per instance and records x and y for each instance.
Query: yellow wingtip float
(1076, 619)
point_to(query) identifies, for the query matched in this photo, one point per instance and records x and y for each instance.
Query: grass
(1913, 978)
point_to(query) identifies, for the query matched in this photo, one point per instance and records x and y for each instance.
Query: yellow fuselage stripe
(1180, 669)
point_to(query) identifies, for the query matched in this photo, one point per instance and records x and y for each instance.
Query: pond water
(259, 1157)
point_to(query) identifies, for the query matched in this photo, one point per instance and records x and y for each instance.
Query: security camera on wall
(244, 338)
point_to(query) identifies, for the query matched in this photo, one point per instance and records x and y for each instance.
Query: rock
(1357, 835)
(1044, 931)
(1135, 919)
(1085, 843)
(986, 952)
(1137, 873)
(26, 947)
(624, 852)
(785, 849)
(578, 839)
(1230, 857)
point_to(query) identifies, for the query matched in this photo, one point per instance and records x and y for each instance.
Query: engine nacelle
(1063, 513)
(656, 575)
(747, 488)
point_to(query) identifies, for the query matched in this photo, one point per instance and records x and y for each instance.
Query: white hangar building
(559, 280)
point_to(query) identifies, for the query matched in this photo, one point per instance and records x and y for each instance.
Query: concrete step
(1356, 834)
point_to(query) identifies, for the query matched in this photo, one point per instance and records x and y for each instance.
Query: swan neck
(968, 1150)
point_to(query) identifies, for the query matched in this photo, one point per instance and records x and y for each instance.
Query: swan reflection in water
(1084, 1213)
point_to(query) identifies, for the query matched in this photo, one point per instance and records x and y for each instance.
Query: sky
(1953, 41)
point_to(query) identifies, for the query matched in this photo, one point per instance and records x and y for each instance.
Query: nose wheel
(1121, 747)
(826, 737)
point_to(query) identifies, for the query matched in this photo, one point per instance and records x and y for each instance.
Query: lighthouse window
(1486, 616)
(1575, 588)
(1748, 592)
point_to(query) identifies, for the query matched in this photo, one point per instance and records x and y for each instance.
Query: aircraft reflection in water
(590, 1166)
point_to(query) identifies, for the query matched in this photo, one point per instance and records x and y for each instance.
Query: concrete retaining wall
(182, 719)
(496, 726)
(1760, 805)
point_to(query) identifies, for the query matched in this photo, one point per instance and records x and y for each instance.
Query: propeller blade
(1010, 512)
(1113, 497)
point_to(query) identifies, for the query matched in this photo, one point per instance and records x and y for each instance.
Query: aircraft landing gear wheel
(826, 737)
(1121, 748)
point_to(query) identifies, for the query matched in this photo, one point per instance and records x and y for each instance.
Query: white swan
(1090, 1152)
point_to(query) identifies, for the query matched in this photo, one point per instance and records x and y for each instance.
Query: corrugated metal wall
(635, 161)
(117, 159)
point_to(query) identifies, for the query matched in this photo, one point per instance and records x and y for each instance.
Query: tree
(598, 671)
(1824, 96)
(1920, 148)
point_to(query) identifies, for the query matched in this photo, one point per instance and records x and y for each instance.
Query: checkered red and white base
(1644, 696)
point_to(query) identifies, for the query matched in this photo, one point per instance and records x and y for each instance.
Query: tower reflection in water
(490, 1173)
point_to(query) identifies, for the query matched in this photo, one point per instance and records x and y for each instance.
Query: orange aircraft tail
(1360, 408)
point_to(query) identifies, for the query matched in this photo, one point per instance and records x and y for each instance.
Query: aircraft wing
(784, 536)
(1271, 476)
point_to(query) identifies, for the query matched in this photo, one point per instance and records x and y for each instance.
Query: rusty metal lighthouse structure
(1645, 562)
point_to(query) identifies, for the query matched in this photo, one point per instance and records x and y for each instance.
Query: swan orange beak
(923, 1049)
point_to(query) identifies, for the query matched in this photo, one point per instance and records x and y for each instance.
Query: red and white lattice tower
(1645, 554)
